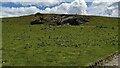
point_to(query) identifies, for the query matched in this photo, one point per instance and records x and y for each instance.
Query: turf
(28, 45)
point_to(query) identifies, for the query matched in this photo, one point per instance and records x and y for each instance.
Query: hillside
(67, 45)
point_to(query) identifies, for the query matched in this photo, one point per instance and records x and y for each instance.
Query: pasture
(24, 44)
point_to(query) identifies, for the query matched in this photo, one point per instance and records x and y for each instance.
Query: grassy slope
(28, 45)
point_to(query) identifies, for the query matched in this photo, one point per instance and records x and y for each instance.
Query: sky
(14, 8)
(88, 0)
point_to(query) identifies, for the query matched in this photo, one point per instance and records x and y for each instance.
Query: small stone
(4, 61)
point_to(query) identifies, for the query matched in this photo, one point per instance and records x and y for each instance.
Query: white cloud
(38, 2)
(55, 0)
(75, 7)
(63, 8)
(99, 7)
(11, 12)
(105, 1)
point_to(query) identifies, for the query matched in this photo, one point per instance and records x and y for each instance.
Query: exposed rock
(72, 21)
(36, 22)
(62, 19)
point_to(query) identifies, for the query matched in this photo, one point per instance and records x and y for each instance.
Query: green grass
(28, 45)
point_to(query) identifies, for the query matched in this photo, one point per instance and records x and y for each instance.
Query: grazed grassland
(31, 45)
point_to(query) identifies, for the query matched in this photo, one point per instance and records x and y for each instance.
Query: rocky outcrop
(72, 21)
(36, 22)
(60, 19)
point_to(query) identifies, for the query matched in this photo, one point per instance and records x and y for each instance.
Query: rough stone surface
(113, 62)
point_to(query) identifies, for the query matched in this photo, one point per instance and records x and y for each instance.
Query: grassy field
(30, 45)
